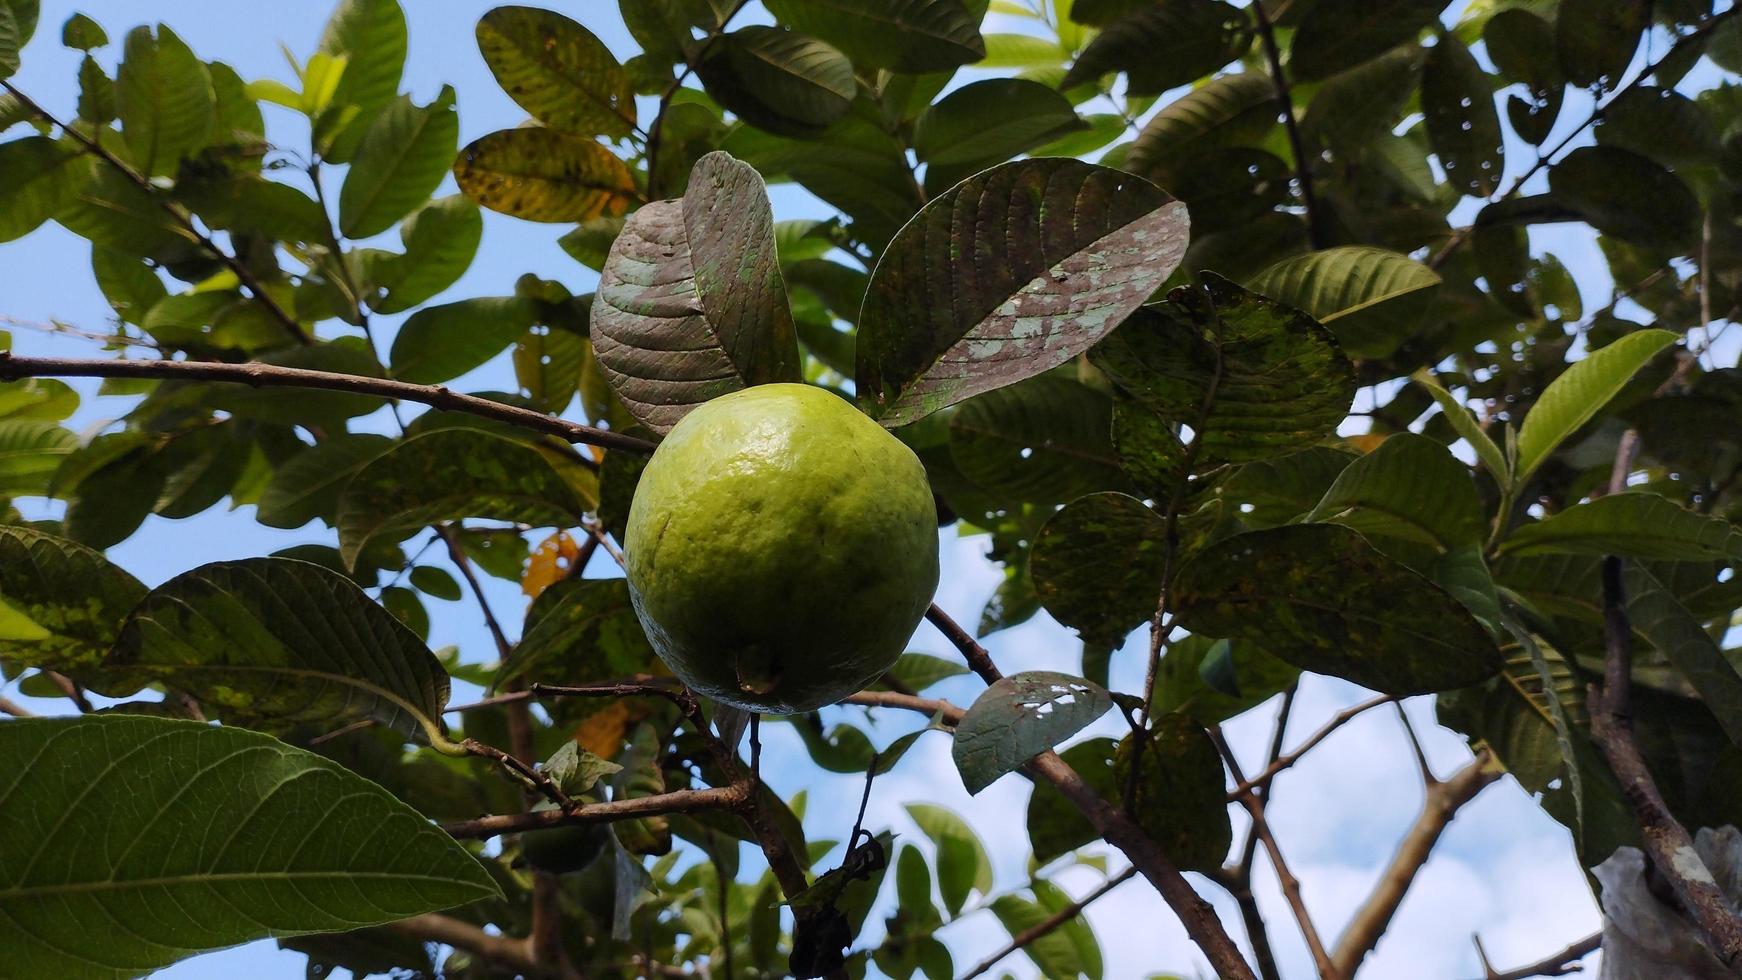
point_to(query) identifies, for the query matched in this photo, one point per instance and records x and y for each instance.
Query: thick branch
(1555, 965)
(1052, 922)
(256, 374)
(240, 269)
(1285, 103)
(677, 801)
(461, 935)
(978, 659)
(1444, 800)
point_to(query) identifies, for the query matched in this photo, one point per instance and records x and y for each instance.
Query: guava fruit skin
(781, 548)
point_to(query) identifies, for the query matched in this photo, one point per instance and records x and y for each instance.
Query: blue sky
(1504, 869)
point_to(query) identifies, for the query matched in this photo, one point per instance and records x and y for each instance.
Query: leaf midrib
(90, 887)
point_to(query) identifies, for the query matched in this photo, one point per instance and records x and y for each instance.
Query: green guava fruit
(781, 548)
(561, 850)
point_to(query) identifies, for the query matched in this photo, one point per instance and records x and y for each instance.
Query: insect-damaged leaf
(285, 641)
(61, 603)
(171, 837)
(557, 70)
(1320, 597)
(1097, 565)
(544, 175)
(1078, 247)
(1019, 717)
(690, 304)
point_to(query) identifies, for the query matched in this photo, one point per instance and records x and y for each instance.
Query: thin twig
(258, 374)
(658, 126)
(1443, 800)
(979, 661)
(243, 274)
(71, 689)
(1254, 804)
(13, 708)
(1238, 879)
(1554, 965)
(1285, 102)
(461, 935)
(1052, 922)
(1337, 721)
(676, 801)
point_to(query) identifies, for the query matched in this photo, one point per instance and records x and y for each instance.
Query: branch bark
(256, 374)
(677, 801)
(1285, 103)
(462, 935)
(1444, 799)
(1282, 762)
(1554, 965)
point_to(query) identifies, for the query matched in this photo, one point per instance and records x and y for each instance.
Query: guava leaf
(228, 836)
(1043, 440)
(1410, 487)
(913, 36)
(557, 70)
(544, 175)
(1079, 248)
(280, 640)
(65, 602)
(1632, 525)
(1181, 795)
(1017, 718)
(1097, 565)
(690, 304)
(962, 863)
(1321, 598)
(1368, 298)
(581, 631)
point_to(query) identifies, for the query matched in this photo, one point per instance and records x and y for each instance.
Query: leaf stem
(1297, 145)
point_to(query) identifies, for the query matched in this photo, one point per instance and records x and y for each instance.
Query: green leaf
(1656, 614)
(1632, 525)
(245, 202)
(1181, 797)
(44, 399)
(1182, 681)
(557, 70)
(548, 365)
(31, 450)
(778, 80)
(1463, 126)
(365, 952)
(581, 631)
(544, 175)
(1356, 108)
(1228, 110)
(918, 671)
(1276, 491)
(590, 242)
(1340, 35)
(1659, 123)
(37, 180)
(1043, 440)
(243, 836)
(1069, 951)
(371, 36)
(308, 485)
(1627, 195)
(1083, 246)
(284, 641)
(691, 305)
(450, 474)
(1580, 393)
(439, 343)
(1596, 38)
(1017, 718)
(163, 94)
(1464, 424)
(97, 93)
(1409, 487)
(1369, 298)
(1097, 566)
(987, 122)
(1250, 377)
(1321, 598)
(402, 158)
(575, 769)
(913, 36)
(110, 210)
(1055, 826)
(66, 602)
(961, 862)
(440, 241)
(1021, 51)
(1164, 45)
(131, 287)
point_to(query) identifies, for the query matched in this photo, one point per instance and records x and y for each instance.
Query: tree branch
(1554, 965)
(1052, 922)
(256, 374)
(1238, 879)
(1444, 798)
(1337, 721)
(16, 710)
(658, 126)
(677, 801)
(1285, 103)
(462, 935)
(243, 274)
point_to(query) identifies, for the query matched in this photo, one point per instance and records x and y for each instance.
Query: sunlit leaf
(544, 175)
(557, 70)
(1370, 298)
(164, 96)
(1411, 487)
(403, 156)
(67, 601)
(1017, 718)
(1580, 393)
(901, 35)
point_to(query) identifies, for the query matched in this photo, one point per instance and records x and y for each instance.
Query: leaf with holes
(403, 157)
(242, 835)
(1369, 298)
(1462, 124)
(1081, 247)
(1164, 45)
(284, 641)
(691, 305)
(781, 81)
(1410, 487)
(61, 603)
(1580, 393)
(1098, 564)
(450, 474)
(912, 36)
(557, 70)
(544, 175)
(1043, 440)
(1251, 378)
(1320, 597)
(1019, 717)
